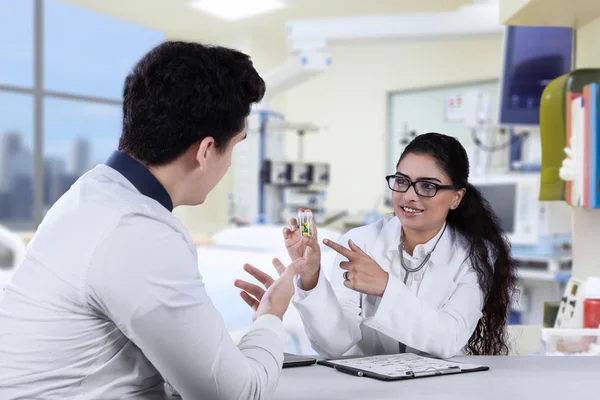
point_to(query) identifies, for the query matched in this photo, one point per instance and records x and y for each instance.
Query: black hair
(489, 250)
(180, 93)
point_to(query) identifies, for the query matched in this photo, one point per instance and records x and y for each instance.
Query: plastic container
(570, 342)
(591, 304)
(306, 223)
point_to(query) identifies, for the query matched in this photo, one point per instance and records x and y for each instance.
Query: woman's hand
(304, 247)
(362, 273)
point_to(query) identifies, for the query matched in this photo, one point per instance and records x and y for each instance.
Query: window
(88, 53)
(86, 59)
(78, 136)
(16, 161)
(16, 42)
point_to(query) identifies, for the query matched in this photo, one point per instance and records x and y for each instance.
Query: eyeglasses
(422, 188)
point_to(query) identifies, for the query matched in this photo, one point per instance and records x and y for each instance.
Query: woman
(456, 298)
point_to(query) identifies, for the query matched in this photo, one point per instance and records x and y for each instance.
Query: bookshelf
(584, 16)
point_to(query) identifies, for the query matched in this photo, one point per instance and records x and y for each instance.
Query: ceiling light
(232, 10)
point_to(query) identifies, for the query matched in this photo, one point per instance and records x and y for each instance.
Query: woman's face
(424, 213)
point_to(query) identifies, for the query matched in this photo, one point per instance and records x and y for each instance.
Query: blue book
(594, 148)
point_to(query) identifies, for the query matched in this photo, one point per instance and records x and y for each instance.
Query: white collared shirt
(109, 304)
(434, 313)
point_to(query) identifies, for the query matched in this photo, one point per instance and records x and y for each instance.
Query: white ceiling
(179, 21)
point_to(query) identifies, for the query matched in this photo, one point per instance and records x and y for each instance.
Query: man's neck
(163, 174)
(412, 238)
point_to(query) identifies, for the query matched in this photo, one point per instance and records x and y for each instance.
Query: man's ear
(205, 149)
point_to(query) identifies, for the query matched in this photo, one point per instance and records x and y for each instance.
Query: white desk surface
(509, 378)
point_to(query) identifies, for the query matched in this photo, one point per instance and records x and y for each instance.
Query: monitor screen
(502, 198)
(533, 57)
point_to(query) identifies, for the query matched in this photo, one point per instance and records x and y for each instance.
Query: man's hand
(362, 273)
(276, 299)
(304, 247)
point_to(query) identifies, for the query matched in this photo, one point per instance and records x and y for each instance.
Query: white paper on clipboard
(398, 365)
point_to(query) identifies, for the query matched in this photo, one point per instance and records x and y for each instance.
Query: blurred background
(62, 66)
(349, 84)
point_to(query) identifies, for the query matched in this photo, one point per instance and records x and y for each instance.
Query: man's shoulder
(100, 204)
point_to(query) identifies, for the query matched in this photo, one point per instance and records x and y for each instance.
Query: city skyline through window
(86, 59)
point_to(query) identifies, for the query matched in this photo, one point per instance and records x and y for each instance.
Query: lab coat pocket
(436, 290)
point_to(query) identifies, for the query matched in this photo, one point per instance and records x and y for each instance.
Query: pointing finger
(339, 249)
(355, 248)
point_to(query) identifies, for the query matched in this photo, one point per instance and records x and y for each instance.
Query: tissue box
(570, 342)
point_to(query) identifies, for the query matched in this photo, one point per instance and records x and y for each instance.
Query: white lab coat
(435, 313)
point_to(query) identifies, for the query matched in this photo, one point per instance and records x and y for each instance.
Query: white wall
(350, 103)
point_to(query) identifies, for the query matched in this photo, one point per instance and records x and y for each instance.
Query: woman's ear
(458, 196)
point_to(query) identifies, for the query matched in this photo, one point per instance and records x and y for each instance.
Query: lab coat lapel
(385, 252)
(442, 253)
(438, 283)
(386, 244)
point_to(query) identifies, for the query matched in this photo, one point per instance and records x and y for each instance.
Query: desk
(509, 378)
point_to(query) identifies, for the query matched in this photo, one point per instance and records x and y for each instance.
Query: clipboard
(397, 367)
(293, 360)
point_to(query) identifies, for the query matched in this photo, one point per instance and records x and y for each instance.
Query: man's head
(185, 107)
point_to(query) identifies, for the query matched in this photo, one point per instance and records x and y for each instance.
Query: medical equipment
(533, 56)
(533, 227)
(539, 234)
(306, 223)
(425, 259)
(267, 187)
(308, 39)
(295, 198)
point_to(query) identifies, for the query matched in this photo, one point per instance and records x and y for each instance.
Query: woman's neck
(412, 238)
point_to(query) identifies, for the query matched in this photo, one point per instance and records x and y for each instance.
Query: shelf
(568, 13)
(561, 259)
(529, 274)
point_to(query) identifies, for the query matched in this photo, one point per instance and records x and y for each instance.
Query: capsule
(305, 222)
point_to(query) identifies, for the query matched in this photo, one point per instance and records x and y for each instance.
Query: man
(109, 303)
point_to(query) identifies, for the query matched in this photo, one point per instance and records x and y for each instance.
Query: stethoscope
(425, 259)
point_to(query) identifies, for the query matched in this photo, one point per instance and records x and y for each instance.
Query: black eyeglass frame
(438, 187)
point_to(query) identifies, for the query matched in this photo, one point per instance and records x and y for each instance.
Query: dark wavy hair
(180, 93)
(489, 251)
